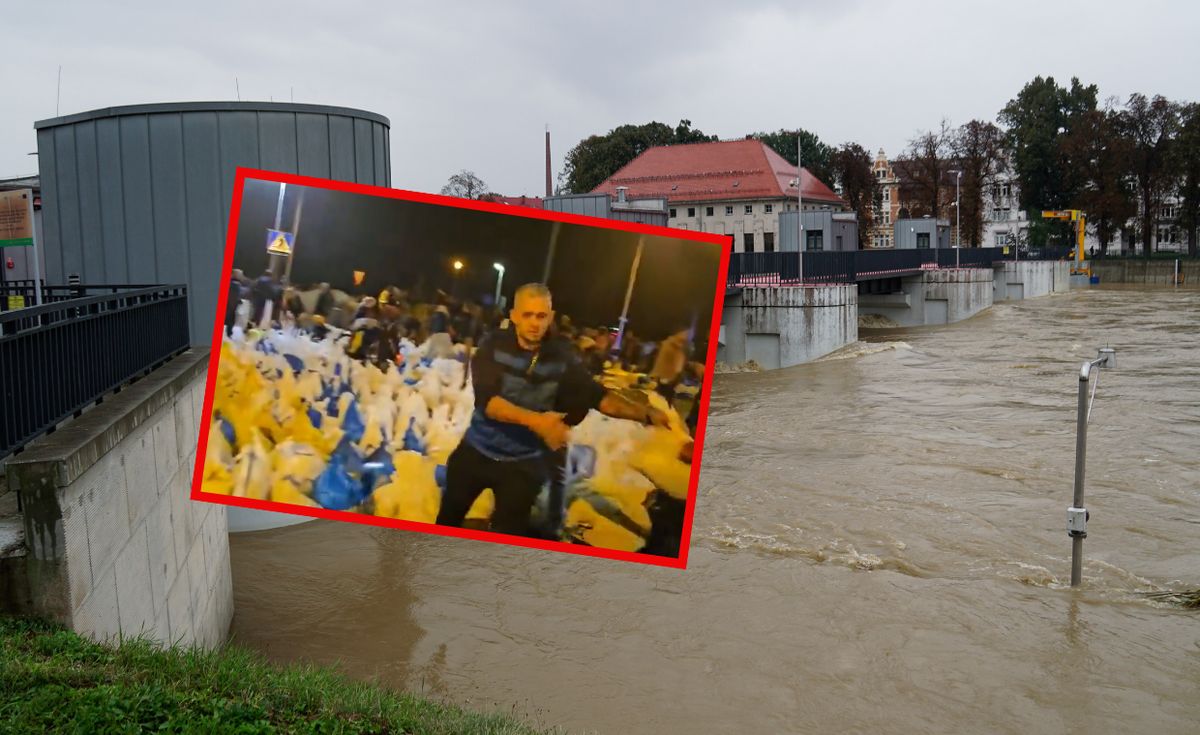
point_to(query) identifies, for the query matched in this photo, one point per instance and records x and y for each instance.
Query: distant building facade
(736, 188)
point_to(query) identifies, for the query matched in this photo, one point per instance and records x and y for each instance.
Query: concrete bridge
(779, 317)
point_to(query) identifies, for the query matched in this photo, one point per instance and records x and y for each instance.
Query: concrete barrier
(1135, 270)
(1029, 279)
(780, 326)
(112, 543)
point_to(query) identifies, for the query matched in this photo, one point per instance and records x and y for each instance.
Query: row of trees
(1118, 163)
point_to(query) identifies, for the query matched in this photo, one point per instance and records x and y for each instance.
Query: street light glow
(458, 265)
(498, 267)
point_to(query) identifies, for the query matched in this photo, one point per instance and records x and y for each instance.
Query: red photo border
(242, 174)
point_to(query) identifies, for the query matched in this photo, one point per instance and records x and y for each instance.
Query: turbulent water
(879, 547)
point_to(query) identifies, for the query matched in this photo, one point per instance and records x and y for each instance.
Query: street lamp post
(499, 280)
(957, 214)
(458, 267)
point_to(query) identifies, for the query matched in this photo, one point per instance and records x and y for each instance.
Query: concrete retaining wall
(934, 297)
(113, 544)
(1029, 279)
(784, 326)
(1143, 271)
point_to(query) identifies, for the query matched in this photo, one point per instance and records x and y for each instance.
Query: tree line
(1118, 162)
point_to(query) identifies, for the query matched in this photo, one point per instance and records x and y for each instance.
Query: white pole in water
(800, 206)
(1077, 515)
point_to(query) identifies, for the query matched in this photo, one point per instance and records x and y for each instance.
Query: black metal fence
(57, 358)
(825, 267)
(55, 294)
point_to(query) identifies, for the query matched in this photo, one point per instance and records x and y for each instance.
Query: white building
(735, 187)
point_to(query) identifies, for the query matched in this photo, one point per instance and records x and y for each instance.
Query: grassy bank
(52, 680)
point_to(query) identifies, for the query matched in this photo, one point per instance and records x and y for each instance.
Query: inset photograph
(462, 367)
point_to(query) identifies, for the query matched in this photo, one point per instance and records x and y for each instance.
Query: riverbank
(54, 680)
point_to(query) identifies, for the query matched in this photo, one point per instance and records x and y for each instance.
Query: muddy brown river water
(879, 547)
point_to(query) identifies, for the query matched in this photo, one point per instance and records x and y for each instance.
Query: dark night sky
(409, 243)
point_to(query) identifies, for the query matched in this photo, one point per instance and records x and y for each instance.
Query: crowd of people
(378, 323)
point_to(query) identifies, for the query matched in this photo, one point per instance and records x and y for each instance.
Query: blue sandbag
(295, 363)
(353, 424)
(314, 416)
(335, 488)
(411, 441)
(439, 476)
(229, 433)
(337, 370)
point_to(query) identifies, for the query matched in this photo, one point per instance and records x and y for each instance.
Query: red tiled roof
(521, 201)
(714, 171)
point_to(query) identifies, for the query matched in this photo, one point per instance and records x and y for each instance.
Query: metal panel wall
(141, 194)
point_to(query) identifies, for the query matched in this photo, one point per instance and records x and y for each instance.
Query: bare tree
(978, 150)
(922, 173)
(465, 184)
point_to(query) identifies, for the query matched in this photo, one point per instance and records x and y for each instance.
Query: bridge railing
(24, 290)
(783, 269)
(57, 358)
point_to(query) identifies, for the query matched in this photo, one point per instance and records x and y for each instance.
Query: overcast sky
(472, 85)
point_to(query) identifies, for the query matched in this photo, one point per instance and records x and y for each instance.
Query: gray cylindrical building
(141, 194)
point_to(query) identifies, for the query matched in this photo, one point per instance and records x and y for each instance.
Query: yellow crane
(1080, 220)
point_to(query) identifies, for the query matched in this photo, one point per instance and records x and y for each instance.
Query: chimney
(549, 191)
(621, 194)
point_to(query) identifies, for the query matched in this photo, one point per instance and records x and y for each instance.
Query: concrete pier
(780, 326)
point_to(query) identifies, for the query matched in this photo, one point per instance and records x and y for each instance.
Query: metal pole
(287, 273)
(957, 216)
(1081, 423)
(550, 255)
(279, 206)
(637, 258)
(800, 205)
(37, 266)
(499, 280)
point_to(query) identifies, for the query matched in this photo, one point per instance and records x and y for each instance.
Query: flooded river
(879, 547)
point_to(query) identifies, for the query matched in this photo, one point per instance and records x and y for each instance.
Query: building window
(887, 194)
(749, 209)
(768, 208)
(1001, 239)
(728, 210)
(814, 240)
(768, 242)
(691, 211)
(672, 213)
(1006, 190)
(923, 240)
(887, 218)
(838, 243)
(708, 211)
(1168, 212)
(748, 242)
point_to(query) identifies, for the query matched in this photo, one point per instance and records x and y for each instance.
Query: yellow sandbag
(483, 507)
(588, 519)
(372, 437)
(657, 457)
(294, 468)
(413, 493)
(252, 471)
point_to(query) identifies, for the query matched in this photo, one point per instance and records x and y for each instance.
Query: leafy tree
(818, 157)
(466, 185)
(1035, 120)
(1150, 126)
(978, 151)
(853, 174)
(1101, 157)
(597, 157)
(1187, 162)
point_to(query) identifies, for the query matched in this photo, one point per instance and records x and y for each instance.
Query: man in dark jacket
(526, 389)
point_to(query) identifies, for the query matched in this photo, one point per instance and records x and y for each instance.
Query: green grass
(52, 680)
